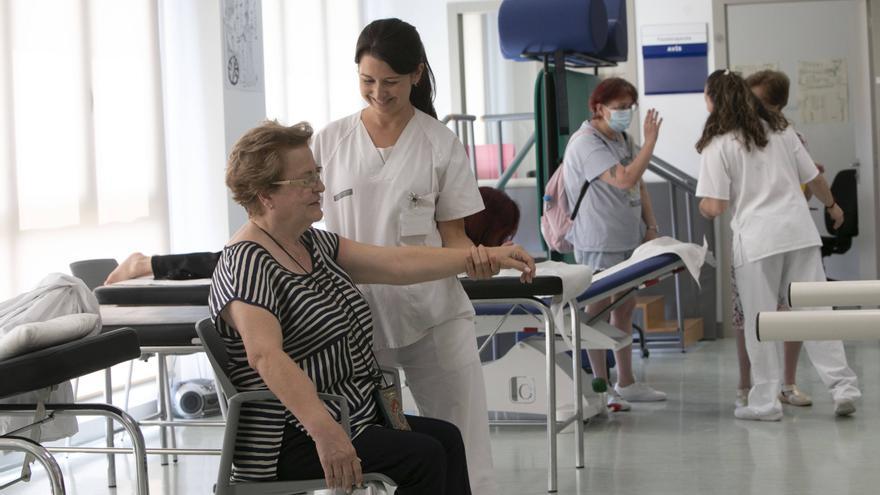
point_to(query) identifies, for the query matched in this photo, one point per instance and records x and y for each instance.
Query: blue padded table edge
(153, 295)
(630, 273)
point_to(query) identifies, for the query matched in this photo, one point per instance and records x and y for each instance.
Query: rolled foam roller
(545, 26)
(616, 48)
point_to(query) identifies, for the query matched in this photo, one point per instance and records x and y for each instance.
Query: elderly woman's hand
(480, 265)
(342, 466)
(485, 262)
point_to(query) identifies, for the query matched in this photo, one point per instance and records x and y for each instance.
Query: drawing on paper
(747, 70)
(822, 91)
(242, 44)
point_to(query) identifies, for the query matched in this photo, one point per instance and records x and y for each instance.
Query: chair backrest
(93, 272)
(845, 191)
(216, 351)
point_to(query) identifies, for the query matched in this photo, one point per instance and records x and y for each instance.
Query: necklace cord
(377, 374)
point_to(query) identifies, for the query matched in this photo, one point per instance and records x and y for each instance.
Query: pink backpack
(556, 220)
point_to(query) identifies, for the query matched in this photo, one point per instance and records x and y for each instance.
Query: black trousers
(429, 460)
(184, 266)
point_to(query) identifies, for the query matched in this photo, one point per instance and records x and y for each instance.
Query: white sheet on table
(152, 282)
(693, 255)
(56, 295)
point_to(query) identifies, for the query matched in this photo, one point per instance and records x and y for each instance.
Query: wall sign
(675, 58)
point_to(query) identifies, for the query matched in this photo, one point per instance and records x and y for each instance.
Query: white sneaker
(742, 397)
(616, 403)
(749, 413)
(844, 407)
(639, 392)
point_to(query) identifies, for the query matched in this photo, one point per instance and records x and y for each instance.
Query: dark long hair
(398, 44)
(736, 109)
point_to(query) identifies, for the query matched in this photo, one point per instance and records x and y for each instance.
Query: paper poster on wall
(822, 91)
(242, 45)
(747, 70)
(675, 58)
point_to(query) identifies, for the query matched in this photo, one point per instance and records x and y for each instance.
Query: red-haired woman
(497, 223)
(615, 215)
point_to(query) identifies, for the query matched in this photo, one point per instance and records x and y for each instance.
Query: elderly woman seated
(284, 299)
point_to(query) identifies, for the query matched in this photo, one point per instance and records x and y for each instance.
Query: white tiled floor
(690, 444)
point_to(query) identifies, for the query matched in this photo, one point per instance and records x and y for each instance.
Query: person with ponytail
(753, 163)
(396, 176)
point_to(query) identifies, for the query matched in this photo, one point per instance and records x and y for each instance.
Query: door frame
(719, 21)
(454, 13)
(720, 27)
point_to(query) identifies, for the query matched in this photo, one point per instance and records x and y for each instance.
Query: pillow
(29, 337)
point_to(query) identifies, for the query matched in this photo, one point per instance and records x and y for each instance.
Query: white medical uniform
(775, 242)
(395, 197)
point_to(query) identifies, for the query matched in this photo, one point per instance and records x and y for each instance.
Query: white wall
(203, 119)
(800, 32)
(683, 114)
(194, 136)
(428, 17)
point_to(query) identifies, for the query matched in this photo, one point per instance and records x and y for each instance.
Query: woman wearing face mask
(396, 176)
(615, 215)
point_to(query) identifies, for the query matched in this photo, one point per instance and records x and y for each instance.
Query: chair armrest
(344, 418)
(254, 395)
(392, 374)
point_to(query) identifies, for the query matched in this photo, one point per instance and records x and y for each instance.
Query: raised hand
(652, 126)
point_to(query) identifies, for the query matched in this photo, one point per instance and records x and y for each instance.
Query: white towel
(692, 255)
(56, 295)
(33, 336)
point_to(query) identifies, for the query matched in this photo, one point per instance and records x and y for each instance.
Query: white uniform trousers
(445, 376)
(764, 283)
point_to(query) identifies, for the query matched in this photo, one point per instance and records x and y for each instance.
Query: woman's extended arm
(261, 335)
(367, 264)
(626, 177)
(820, 189)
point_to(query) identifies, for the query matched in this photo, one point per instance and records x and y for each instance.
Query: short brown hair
(255, 161)
(609, 90)
(775, 85)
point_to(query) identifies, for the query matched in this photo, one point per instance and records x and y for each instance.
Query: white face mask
(620, 119)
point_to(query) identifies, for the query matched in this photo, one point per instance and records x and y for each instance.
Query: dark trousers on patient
(429, 460)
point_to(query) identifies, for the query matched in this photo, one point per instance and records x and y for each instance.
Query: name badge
(338, 196)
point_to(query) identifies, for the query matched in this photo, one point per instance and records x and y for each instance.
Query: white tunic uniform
(395, 197)
(775, 242)
(426, 179)
(770, 213)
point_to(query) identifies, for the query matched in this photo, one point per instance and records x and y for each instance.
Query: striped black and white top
(326, 328)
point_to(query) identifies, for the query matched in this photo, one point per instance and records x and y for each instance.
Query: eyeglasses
(311, 180)
(632, 107)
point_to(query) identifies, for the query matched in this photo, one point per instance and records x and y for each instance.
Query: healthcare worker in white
(395, 175)
(753, 162)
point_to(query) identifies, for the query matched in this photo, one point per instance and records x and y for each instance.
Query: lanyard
(375, 373)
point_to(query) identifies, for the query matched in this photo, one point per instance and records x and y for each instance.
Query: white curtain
(309, 59)
(81, 140)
